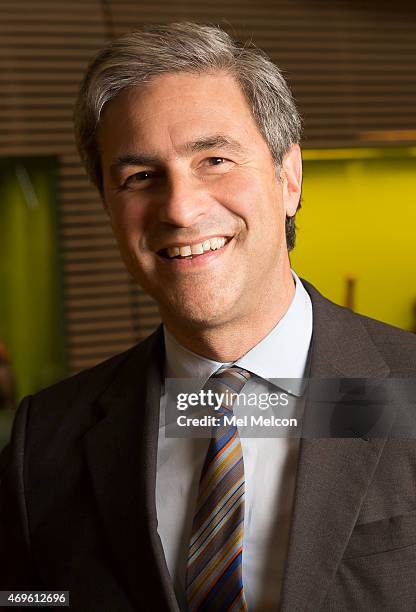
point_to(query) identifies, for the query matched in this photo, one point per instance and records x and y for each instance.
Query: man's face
(186, 170)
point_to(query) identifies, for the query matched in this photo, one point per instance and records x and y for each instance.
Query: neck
(232, 339)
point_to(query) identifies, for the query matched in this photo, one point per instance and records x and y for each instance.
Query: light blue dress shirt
(269, 463)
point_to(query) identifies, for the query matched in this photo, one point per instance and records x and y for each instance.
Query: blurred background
(66, 302)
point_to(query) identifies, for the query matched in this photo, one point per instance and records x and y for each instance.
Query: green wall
(31, 313)
(358, 218)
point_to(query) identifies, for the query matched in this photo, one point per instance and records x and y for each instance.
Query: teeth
(197, 249)
(185, 251)
(173, 251)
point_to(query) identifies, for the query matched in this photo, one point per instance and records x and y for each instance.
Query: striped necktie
(214, 571)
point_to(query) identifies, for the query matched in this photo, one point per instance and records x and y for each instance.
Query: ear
(291, 176)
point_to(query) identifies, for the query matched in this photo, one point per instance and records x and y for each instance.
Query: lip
(196, 262)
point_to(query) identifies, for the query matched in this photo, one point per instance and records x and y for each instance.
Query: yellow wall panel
(358, 218)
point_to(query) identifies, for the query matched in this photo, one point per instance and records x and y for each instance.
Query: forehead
(176, 108)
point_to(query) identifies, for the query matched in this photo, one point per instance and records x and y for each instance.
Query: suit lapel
(122, 453)
(333, 473)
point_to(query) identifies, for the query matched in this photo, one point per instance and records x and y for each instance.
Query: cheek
(129, 221)
(253, 197)
(237, 193)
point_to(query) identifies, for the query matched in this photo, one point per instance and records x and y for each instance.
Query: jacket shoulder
(94, 377)
(70, 405)
(358, 335)
(94, 380)
(397, 346)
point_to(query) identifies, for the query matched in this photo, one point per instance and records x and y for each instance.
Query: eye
(139, 179)
(215, 165)
(216, 161)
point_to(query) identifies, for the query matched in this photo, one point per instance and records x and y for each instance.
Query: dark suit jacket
(78, 487)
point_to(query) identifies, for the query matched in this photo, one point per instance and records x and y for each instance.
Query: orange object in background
(7, 384)
(351, 282)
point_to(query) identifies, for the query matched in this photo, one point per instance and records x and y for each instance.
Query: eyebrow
(209, 142)
(200, 144)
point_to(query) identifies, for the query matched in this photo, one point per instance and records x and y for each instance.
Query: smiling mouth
(194, 250)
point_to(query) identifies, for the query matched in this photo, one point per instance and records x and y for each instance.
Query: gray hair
(139, 56)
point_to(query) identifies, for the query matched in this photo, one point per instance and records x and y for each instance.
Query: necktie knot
(236, 376)
(227, 383)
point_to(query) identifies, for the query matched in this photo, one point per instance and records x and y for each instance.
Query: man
(192, 141)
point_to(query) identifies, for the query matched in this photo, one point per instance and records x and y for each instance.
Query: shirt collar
(282, 354)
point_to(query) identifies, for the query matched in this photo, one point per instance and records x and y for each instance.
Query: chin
(199, 313)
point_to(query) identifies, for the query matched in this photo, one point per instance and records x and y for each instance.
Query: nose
(184, 201)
